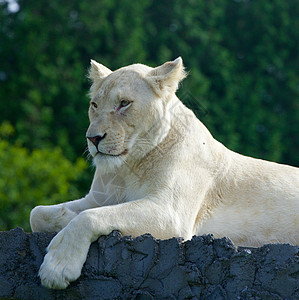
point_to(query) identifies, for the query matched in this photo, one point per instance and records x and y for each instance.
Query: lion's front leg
(50, 218)
(66, 255)
(68, 250)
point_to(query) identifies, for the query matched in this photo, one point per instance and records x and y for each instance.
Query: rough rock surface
(145, 268)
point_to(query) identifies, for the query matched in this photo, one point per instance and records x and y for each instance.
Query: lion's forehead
(123, 83)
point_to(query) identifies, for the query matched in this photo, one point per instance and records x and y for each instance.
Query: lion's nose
(96, 139)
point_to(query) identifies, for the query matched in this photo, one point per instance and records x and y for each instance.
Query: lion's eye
(94, 104)
(124, 103)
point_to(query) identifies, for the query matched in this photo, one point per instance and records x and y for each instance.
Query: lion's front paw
(64, 260)
(50, 218)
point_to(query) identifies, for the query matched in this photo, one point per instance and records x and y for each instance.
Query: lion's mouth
(112, 155)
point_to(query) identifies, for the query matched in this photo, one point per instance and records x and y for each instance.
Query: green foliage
(243, 60)
(29, 178)
(242, 57)
(44, 55)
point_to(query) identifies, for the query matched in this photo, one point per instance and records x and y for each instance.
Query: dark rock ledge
(145, 268)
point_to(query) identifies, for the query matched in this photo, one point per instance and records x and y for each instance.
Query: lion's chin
(108, 163)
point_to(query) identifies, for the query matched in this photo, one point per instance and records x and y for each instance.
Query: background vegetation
(243, 84)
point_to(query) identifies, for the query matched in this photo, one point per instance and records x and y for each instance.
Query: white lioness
(160, 171)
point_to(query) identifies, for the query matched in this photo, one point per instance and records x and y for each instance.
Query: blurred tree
(28, 179)
(243, 60)
(242, 56)
(44, 55)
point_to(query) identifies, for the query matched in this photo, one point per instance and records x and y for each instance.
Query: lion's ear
(98, 71)
(166, 78)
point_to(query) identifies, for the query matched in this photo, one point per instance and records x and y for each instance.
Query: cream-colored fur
(159, 170)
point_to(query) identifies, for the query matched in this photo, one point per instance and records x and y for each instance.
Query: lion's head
(128, 112)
